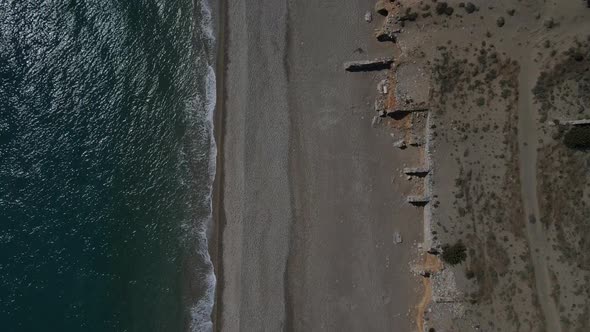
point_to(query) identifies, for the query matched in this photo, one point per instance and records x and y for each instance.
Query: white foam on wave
(201, 311)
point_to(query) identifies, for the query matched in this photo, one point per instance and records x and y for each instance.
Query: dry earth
(498, 77)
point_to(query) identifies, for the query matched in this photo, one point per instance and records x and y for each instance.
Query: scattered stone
(368, 17)
(549, 23)
(416, 140)
(500, 22)
(433, 251)
(382, 87)
(401, 144)
(376, 121)
(388, 30)
(379, 104)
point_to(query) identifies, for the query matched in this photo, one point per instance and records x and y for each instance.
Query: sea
(106, 165)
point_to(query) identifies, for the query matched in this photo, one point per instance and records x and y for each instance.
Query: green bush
(454, 254)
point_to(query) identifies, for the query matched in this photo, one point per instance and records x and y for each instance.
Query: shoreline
(295, 219)
(215, 242)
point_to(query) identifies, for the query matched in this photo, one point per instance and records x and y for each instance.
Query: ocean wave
(202, 309)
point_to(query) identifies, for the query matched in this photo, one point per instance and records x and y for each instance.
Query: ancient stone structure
(369, 65)
(418, 200)
(416, 171)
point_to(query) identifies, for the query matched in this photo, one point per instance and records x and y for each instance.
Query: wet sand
(308, 193)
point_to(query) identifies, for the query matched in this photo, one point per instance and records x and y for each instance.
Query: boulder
(382, 87)
(549, 23)
(397, 238)
(388, 30)
(401, 144)
(425, 274)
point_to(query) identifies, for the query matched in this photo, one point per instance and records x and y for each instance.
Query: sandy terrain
(310, 191)
(503, 181)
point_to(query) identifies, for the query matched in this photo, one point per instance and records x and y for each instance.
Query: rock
(433, 251)
(549, 23)
(376, 120)
(425, 274)
(470, 8)
(368, 17)
(381, 8)
(397, 238)
(379, 104)
(511, 12)
(382, 87)
(416, 140)
(388, 30)
(401, 144)
(386, 36)
(500, 22)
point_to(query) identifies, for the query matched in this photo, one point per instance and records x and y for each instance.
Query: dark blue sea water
(106, 162)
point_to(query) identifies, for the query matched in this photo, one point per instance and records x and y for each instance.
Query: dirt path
(527, 137)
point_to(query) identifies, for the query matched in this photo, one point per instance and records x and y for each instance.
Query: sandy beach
(445, 191)
(308, 198)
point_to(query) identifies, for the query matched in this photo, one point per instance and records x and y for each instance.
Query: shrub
(454, 254)
(441, 8)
